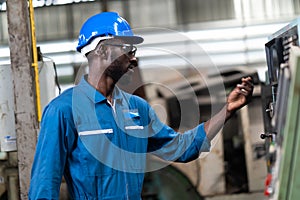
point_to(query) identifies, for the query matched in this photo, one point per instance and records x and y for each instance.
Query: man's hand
(240, 96)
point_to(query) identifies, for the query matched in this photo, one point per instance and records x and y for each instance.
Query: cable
(56, 78)
(55, 73)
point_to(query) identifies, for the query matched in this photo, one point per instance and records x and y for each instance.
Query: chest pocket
(95, 153)
(133, 125)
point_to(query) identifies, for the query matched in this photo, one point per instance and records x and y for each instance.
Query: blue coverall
(102, 149)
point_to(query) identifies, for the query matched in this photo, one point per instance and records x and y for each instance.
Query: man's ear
(101, 51)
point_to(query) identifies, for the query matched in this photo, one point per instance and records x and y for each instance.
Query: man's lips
(132, 65)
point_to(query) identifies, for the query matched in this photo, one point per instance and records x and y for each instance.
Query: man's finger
(245, 92)
(247, 81)
(245, 87)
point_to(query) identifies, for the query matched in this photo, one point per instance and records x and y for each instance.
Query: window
(193, 11)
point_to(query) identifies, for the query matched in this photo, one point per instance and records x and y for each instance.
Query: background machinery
(281, 113)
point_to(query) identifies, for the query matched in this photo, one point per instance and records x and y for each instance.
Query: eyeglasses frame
(128, 48)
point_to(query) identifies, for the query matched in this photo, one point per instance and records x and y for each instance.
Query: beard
(120, 74)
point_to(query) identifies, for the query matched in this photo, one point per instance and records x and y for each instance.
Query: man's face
(123, 60)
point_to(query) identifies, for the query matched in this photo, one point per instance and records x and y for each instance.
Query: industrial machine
(236, 163)
(281, 113)
(8, 153)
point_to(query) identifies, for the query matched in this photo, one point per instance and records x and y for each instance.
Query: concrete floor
(248, 196)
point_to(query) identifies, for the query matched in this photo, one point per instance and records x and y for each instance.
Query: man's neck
(105, 85)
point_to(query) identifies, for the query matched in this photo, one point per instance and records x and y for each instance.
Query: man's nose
(134, 61)
(133, 58)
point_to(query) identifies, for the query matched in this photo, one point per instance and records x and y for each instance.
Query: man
(99, 137)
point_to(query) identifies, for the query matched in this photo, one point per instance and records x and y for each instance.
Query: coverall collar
(94, 95)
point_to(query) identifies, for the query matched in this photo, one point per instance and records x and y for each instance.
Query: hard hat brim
(130, 39)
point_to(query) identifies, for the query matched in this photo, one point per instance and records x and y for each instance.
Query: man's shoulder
(63, 101)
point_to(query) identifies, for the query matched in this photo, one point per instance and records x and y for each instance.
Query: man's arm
(184, 147)
(238, 98)
(50, 156)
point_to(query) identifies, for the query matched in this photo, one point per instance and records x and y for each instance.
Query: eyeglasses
(126, 48)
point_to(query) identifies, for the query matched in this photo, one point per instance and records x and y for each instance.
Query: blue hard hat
(106, 24)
